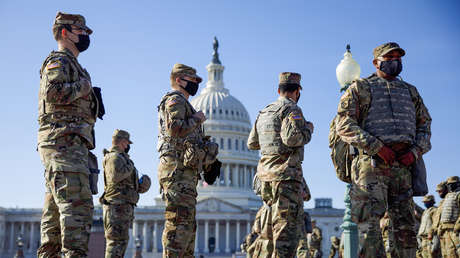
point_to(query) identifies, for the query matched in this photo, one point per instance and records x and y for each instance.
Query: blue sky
(134, 47)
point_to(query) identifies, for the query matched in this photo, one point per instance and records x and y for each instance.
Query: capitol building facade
(225, 210)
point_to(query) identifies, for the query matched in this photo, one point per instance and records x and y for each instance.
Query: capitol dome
(228, 123)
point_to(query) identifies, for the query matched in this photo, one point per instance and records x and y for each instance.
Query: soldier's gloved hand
(387, 154)
(200, 116)
(407, 159)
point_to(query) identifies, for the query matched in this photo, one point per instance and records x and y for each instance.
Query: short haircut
(57, 29)
(289, 87)
(116, 140)
(174, 76)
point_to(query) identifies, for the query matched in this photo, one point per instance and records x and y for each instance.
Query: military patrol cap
(441, 187)
(181, 69)
(121, 134)
(428, 198)
(72, 19)
(453, 180)
(289, 78)
(313, 221)
(387, 48)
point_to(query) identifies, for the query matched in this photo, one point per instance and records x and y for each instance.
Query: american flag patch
(296, 117)
(53, 65)
(172, 102)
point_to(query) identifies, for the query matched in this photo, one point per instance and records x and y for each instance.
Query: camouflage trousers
(302, 248)
(283, 220)
(450, 244)
(315, 252)
(68, 209)
(333, 251)
(424, 250)
(263, 245)
(248, 245)
(179, 194)
(383, 208)
(118, 218)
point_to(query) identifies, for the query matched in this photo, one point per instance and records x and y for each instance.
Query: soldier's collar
(65, 51)
(177, 92)
(285, 99)
(116, 149)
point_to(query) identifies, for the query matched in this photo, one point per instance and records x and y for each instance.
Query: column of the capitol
(347, 71)
(217, 237)
(155, 236)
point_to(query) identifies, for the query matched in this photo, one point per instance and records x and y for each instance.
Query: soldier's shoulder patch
(54, 64)
(295, 116)
(174, 100)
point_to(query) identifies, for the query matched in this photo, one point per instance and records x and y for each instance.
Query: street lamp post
(19, 252)
(138, 244)
(347, 71)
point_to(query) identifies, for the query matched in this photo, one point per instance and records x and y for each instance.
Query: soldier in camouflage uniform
(260, 234)
(449, 226)
(385, 119)
(280, 132)
(425, 244)
(183, 151)
(67, 109)
(316, 237)
(441, 188)
(335, 247)
(121, 193)
(302, 248)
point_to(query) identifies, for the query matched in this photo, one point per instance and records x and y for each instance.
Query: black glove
(94, 172)
(307, 220)
(211, 172)
(98, 94)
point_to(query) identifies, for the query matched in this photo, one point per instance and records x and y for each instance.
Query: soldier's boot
(50, 246)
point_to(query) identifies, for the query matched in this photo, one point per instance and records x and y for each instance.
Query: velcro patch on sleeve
(53, 65)
(172, 102)
(296, 117)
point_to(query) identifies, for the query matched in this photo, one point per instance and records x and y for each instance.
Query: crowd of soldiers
(381, 117)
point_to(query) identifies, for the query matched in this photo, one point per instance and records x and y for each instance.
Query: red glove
(387, 154)
(407, 159)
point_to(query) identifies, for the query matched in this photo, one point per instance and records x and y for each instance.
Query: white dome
(220, 105)
(229, 125)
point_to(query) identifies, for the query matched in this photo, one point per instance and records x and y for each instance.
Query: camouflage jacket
(436, 219)
(426, 222)
(121, 179)
(292, 132)
(353, 107)
(316, 238)
(66, 104)
(177, 126)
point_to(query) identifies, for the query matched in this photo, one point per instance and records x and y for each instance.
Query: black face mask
(191, 87)
(83, 42)
(428, 204)
(127, 148)
(391, 67)
(298, 97)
